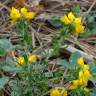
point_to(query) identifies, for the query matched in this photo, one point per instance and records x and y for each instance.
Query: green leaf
(3, 81)
(90, 30)
(49, 74)
(6, 45)
(38, 67)
(2, 52)
(64, 31)
(64, 63)
(93, 90)
(90, 18)
(7, 68)
(55, 17)
(93, 69)
(10, 61)
(73, 59)
(63, 34)
(76, 9)
(55, 23)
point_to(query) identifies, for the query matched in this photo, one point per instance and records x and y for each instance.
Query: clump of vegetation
(27, 69)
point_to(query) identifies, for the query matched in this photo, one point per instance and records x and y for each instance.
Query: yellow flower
(15, 14)
(64, 93)
(86, 67)
(78, 20)
(30, 15)
(54, 92)
(80, 61)
(27, 15)
(81, 74)
(71, 16)
(65, 20)
(79, 28)
(20, 61)
(75, 84)
(69, 19)
(86, 89)
(32, 58)
(83, 77)
(82, 80)
(86, 71)
(23, 11)
(87, 74)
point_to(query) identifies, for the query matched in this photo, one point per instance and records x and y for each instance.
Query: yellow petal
(80, 61)
(75, 84)
(81, 74)
(78, 20)
(83, 81)
(21, 60)
(26, 14)
(72, 87)
(65, 20)
(87, 74)
(15, 14)
(82, 78)
(86, 67)
(79, 28)
(30, 15)
(64, 93)
(54, 92)
(71, 16)
(23, 11)
(32, 58)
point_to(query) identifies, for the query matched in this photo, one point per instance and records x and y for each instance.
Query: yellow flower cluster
(70, 18)
(84, 75)
(21, 60)
(32, 58)
(15, 14)
(58, 92)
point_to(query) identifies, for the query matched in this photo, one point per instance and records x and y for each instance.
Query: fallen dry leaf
(20, 2)
(39, 9)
